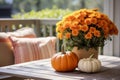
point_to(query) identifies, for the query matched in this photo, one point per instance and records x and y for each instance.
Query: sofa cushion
(6, 51)
(29, 49)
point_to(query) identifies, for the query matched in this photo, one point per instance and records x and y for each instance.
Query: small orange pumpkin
(64, 61)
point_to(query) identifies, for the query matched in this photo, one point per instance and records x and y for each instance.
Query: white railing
(42, 27)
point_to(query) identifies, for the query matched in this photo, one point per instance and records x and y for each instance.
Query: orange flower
(69, 18)
(97, 33)
(79, 27)
(98, 24)
(67, 24)
(104, 17)
(87, 26)
(88, 21)
(111, 26)
(60, 28)
(74, 26)
(105, 29)
(115, 31)
(92, 29)
(94, 20)
(79, 16)
(105, 23)
(75, 22)
(92, 15)
(83, 14)
(67, 35)
(88, 36)
(82, 22)
(95, 15)
(75, 32)
(84, 28)
(102, 23)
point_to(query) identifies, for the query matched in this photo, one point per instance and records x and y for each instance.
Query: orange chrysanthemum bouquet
(86, 28)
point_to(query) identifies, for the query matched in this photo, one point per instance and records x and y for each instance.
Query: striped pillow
(6, 51)
(29, 49)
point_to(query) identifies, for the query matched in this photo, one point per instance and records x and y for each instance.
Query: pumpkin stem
(91, 56)
(62, 49)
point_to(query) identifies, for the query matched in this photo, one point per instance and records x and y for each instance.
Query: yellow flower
(59, 26)
(59, 35)
(59, 23)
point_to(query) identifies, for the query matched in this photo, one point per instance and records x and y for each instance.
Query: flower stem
(91, 56)
(62, 49)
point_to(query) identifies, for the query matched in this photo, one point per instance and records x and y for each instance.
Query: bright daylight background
(44, 8)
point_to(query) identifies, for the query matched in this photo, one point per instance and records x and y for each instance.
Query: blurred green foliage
(37, 5)
(44, 13)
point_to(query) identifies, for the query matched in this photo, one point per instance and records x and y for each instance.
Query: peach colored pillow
(29, 49)
(23, 32)
(6, 52)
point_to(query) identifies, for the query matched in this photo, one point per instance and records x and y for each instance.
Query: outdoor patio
(109, 55)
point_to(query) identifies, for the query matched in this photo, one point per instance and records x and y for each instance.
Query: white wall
(112, 9)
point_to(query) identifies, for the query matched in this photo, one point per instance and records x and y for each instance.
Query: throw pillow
(23, 32)
(6, 51)
(29, 49)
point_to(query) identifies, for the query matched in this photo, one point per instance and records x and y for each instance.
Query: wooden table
(41, 69)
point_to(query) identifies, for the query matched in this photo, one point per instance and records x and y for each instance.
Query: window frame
(111, 8)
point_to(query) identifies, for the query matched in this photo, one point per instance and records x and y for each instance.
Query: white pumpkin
(89, 65)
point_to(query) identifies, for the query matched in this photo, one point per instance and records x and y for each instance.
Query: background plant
(44, 13)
